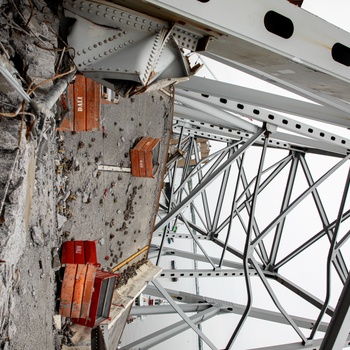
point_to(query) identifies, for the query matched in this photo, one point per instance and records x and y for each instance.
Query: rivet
(89, 11)
(100, 55)
(142, 27)
(120, 45)
(74, 6)
(135, 25)
(81, 9)
(130, 16)
(84, 51)
(117, 69)
(98, 13)
(126, 70)
(98, 6)
(121, 20)
(128, 22)
(100, 43)
(91, 5)
(122, 14)
(125, 32)
(95, 58)
(114, 36)
(78, 53)
(107, 9)
(105, 41)
(115, 11)
(105, 15)
(131, 41)
(113, 18)
(110, 50)
(90, 48)
(89, 60)
(105, 53)
(136, 19)
(109, 68)
(95, 46)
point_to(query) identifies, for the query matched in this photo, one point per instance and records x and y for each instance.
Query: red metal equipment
(79, 252)
(86, 293)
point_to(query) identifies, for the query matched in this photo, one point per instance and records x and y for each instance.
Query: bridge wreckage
(267, 209)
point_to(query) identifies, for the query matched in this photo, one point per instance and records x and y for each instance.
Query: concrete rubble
(51, 189)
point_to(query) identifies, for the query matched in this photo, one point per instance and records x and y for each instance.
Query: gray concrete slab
(114, 208)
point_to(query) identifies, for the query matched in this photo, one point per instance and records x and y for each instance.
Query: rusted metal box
(145, 157)
(83, 105)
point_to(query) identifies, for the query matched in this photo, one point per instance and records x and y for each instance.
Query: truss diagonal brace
(202, 186)
(182, 314)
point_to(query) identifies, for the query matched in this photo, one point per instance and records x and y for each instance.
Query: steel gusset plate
(114, 45)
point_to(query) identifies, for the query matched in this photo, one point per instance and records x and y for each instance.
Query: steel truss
(236, 205)
(268, 205)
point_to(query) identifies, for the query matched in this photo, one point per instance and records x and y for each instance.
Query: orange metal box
(77, 290)
(83, 105)
(145, 157)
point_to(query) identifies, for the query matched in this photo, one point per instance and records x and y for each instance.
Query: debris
(85, 198)
(57, 322)
(37, 236)
(60, 221)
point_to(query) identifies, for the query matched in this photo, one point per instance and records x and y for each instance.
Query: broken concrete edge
(124, 296)
(122, 300)
(167, 142)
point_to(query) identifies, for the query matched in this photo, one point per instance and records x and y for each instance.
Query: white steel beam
(265, 100)
(181, 236)
(179, 273)
(314, 345)
(197, 257)
(238, 309)
(264, 115)
(163, 334)
(167, 309)
(269, 37)
(337, 335)
(166, 295)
